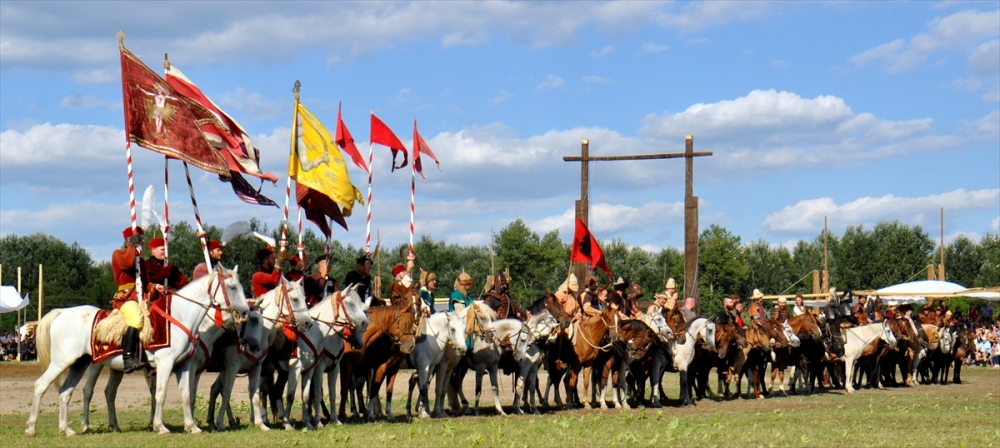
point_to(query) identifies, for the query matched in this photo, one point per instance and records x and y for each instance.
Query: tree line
(860, 258)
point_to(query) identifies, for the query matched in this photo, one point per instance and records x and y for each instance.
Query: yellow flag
(316, 162)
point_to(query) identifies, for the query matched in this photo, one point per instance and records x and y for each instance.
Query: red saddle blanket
(101, 350)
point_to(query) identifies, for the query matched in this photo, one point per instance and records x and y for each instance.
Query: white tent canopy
(10, 301)
(918, 292)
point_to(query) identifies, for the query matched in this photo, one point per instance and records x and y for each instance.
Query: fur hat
(264, 252)
(364, 259)
(156, 242)
(757, 294)
(620, 281)
(212, 245)
(129, 231)
(295, 259)
(464, 278)
(570, 285)
(426, 277)
(782, 299)
(671, 283)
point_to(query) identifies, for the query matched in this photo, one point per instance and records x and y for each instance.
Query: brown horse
(727, 342)
(389, 326)
(632, 355)
(588, 342)
(384, 356)
(748, 360)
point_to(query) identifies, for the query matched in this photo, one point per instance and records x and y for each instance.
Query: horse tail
(43, 340)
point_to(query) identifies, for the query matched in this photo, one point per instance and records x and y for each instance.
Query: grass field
(925, 416)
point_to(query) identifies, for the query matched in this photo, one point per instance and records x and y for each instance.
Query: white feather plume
(270, 241)
(147, 207)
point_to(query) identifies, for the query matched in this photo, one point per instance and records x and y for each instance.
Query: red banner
(586, 250)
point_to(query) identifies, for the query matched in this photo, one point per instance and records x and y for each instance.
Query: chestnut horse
(588, 342)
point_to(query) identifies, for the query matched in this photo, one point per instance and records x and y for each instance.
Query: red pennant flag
(318, 207)
(381, 134)
(162, 120)
(586, 250)
(420, 146)
(344, 139)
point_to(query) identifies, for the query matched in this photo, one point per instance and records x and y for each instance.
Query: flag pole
(368, 225)
(300, 247)
(197, 218)
(131, 185)
(413, 186)
(288, 184)
(166, 193)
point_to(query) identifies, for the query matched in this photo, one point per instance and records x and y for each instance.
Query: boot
(130, 343)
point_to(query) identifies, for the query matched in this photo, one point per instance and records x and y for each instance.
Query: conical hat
(569, 285)
(757, 294)
(671, 283)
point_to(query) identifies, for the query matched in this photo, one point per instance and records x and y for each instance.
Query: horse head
(790, 336)
(542, 326)
(724, 335)
(250, 332)
(403, 330)
(640, 339)
(357, 317)
(707, 333)
(291, 300)
(457, 332)
(226, 293)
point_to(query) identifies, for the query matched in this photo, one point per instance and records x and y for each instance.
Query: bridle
(396, 341)
(339, 310)
(213, 288)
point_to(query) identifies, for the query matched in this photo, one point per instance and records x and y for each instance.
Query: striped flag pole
(368, 225)
(301, 248)
(197, 218)
(288, 184)
(131, 201)
(413, 196)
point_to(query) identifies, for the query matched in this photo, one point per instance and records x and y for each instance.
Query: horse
(633, 354)
(856, 339)
(284, 305)
(683, 349)
(758, 342)
(392, 331)
(781, 354)
(938, 353)
(963, 346)
(705, 360)
(585, 349)
(386, 356)
(65, 335)
(333, 316)
(440, 331)
(661, 353)
(541, 327)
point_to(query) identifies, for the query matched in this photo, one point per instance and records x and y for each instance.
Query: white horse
(209, 331)
(335, 313)
(658, 323)
(855, 340)
(699, 329)
(284, 304)
(486, 353)
(348, 303)
(64, 337)
(441, 331)
(541, 329)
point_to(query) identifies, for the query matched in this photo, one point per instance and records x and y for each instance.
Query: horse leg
(496, 389)
(291, 387)
(440, 386)
(479, 389)
(161, 393)
(228, 379)
(331, 383)
(257, 414)
(589, 395)
(390, 384)
(346, 380)
(188, 383)
(373, 389)
(213, 394)
(41, 385)
(73, 377)
(423, 383)
(88, 392)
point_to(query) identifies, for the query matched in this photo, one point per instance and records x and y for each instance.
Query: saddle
(109, 327)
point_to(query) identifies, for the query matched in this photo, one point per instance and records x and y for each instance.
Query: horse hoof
(263, 427)
(424, 414)
(163, 431)
(70, 432)
(195, 430)
(536, 412)
(288, 427)
(29, 433)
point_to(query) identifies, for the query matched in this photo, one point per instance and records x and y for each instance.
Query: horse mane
(635, 325)
(538, 305)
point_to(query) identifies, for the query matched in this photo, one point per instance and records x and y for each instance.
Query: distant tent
(10, 301)
(919, 291)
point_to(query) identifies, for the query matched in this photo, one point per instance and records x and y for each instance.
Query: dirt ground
(17, 383)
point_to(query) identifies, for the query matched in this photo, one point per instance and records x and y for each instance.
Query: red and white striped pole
(283, 245)
(197, 217)
(413, 196)
(368, 224)
(166, 210)
(300, 248)
(131, 201)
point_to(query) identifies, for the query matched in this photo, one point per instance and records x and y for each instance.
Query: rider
(688, 310)
(460, 292)
(657, 307)
(318, 284)
(671, 294)
(298, 267)
(500, 301)
(588, 297)
(428, 281)
(800, 305)
(401, 282)
(860, 312)
(780, 311)
(214, 254)
(738, 311)
(564, 295)
(268, 276)
(159, 271)
(123, 267)
(361, 276)
(757, 307)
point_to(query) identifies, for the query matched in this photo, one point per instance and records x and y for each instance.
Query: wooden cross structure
(690, 206)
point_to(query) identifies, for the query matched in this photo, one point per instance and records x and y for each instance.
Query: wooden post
(941, 266)
(18, 328)
(40, 292)
(930, 272)
(583, 208)
(816, 287)
(826, 260)
(690, 226)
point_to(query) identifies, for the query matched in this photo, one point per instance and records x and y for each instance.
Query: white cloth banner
(10, 301)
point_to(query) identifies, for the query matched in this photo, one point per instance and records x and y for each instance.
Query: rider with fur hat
(499, 299)
(671, 293)
(428, 282)
(756, 311)
(401, 282)
(124, 270)
(588, 297)
(160, 272)
(460, 292)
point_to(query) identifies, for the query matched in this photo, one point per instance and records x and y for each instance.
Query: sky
(857, 112)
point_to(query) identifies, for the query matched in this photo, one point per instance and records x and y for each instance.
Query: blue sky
(855, 111)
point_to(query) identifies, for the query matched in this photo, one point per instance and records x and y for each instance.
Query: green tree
(989, 272)
(963, 261)
(722, 268)
(536, 264)
(769, 269)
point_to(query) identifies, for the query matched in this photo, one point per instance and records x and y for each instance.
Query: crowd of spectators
(9, 346)
(986, 327)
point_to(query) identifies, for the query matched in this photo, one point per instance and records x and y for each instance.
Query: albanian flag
(586, 250)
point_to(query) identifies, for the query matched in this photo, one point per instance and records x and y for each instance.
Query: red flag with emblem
(162, 120)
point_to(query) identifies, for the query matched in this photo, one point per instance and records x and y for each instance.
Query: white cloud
(970, 84)
(552, 82)
(77, 35)
(649, 47)
(86, 102)
(596, 79)
(252, 103)
(614, 218)
(985, 60)
(503, 96)
(807, 216)
(961, 31)
(995, 225)
(97, 77)
(602, 52)
(46, 144)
